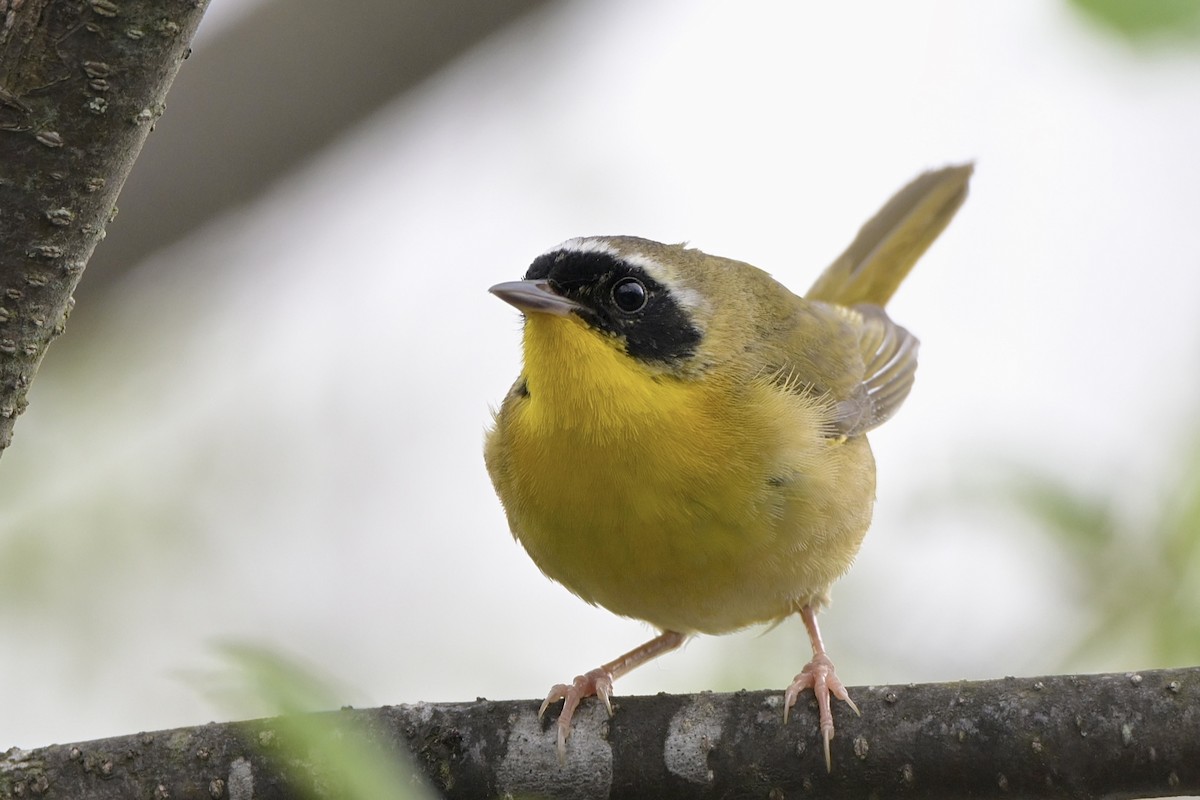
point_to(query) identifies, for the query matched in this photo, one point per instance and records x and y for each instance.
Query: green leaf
(1143, 20)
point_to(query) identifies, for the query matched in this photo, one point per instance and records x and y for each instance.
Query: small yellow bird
(686, 442)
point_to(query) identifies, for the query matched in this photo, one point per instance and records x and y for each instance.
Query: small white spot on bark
(240, 784)
(693, 732)
(530, 767)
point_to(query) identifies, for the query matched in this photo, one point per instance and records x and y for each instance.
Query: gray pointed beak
(534, 297)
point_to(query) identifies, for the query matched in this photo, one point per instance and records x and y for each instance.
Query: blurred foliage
(334, 757)
(1138, 576)
(1145, 21)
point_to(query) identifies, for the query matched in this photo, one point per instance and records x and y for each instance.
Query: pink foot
(819, 676)
(597, 682)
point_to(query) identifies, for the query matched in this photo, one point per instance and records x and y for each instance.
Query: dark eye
(629, 295)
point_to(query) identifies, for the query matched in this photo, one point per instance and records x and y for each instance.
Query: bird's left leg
(819, 676)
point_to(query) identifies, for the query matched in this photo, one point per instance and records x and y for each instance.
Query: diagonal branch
(1115, 735)
(81, 84)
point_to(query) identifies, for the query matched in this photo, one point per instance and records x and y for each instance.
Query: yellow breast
(700, 505)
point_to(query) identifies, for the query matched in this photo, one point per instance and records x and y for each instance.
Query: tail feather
(890, 243)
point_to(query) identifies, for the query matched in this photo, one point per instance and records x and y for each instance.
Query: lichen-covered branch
(81, 84)
(1117, 735)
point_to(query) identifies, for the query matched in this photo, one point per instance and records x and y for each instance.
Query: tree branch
(81, 84)
(1116, 735)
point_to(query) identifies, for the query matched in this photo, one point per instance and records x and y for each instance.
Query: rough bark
(81, 84)
(1116, 735)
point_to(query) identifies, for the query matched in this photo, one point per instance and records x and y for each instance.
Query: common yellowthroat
(686, 442)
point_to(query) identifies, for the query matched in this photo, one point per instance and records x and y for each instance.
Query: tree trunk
(81, 84)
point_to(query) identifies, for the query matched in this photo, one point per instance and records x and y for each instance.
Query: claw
(557, 692)
(598, 682)
(819, 676)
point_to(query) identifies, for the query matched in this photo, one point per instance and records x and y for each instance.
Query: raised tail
(890, 243)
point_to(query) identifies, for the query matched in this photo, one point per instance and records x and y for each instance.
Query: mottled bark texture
(1118, 735)
(81, 84)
